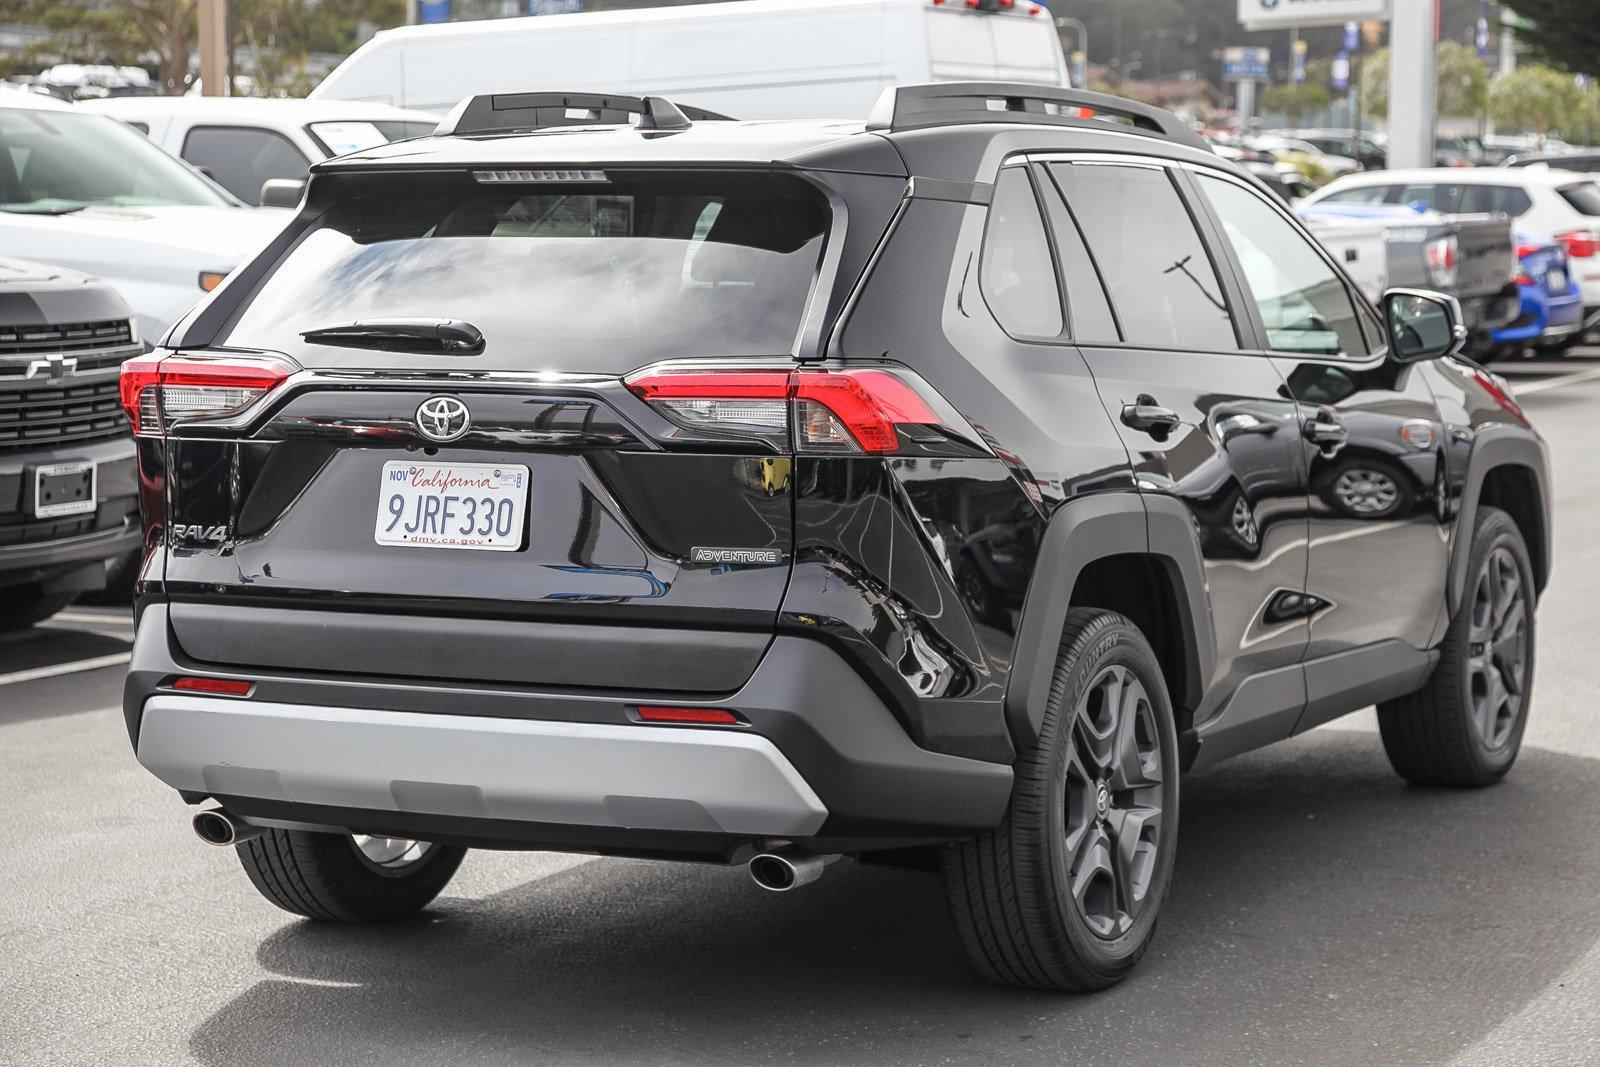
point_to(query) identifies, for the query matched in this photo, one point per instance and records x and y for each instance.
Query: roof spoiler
(921, 107)
(511, 112)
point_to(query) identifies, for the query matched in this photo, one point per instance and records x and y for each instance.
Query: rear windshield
(1585, 197)
(602, 276)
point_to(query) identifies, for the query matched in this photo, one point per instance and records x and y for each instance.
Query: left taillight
(872, 410)
(157, 390)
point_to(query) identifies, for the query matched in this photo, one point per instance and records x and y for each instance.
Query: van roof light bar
(921, 107)
(521, 112)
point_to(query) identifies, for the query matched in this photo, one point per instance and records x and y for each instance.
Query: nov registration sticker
(452, 505)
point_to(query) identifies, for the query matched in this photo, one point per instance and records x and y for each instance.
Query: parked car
(1360, 245)
(761, 493)
(68, 509)
(81, 191)
(1361, 147)
(1315, 164)
(1557, 202)
(1579, 161)
(1551, 303)
(753, 59)
(245, 142)
(1470, 257)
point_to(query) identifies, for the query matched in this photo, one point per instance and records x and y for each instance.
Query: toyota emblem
(443, 418)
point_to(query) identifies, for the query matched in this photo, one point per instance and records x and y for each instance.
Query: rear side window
(1365, 194)
(1155, 266)
(600, 277)
(1496, 200)
(1583, 196)
(1431, 194)
(1016, 274)
(242, 159)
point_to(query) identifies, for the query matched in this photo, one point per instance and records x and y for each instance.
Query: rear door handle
(1327, 431)
(1145, 415)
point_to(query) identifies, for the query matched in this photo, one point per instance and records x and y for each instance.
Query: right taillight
(157, 391)
(1441, 256)
(1580, 244)
(873, 410)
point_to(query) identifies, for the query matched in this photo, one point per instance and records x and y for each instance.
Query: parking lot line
(1550, 383)
(94, 664)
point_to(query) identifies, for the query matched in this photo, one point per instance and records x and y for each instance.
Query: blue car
(1552, 306)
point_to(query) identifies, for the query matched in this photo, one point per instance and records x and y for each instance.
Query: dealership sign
(1279, 14)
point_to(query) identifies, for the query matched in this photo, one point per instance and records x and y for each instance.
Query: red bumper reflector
(223, 686)
(698, 716)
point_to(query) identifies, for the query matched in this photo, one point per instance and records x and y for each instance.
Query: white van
(749, 59)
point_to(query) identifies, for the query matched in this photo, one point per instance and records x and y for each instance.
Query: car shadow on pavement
(1323, 911)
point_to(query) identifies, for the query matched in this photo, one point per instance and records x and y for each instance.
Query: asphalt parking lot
(1323, 911)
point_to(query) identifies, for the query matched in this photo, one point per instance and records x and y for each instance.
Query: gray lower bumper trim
(638, 777)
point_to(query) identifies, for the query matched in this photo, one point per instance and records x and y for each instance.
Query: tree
(1463, 83)
(1295, 102)
(1535, 98)
(1564, 32)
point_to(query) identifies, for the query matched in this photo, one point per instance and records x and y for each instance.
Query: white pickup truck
(83, 191)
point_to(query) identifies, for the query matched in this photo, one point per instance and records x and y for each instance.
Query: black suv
(602, 475)
(67, 504)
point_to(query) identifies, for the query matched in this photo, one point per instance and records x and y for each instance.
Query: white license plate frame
(471, 512)
(42, 509)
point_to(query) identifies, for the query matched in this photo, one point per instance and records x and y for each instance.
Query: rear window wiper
(406, 335)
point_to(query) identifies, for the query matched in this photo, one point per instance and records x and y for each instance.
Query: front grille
(62, 414)
(89, 346)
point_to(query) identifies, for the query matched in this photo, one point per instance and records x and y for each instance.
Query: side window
(241, 159)
(1016, 274)
(1428, 194)
(1155, 266)
(1363, 194)
(1088, 311)
(1304, 303)
(1496, 199)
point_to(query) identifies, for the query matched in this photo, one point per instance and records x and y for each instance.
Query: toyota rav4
(600, 474)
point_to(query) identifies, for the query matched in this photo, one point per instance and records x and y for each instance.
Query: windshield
(338, 138)
(56, 162)
(605, 276)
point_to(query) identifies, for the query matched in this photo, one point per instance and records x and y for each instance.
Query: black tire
(327, 878)
(28, 604)
(1455, 731)
(1010, 890)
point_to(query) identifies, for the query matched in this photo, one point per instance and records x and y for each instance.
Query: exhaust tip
(216, 827)
(774, 873)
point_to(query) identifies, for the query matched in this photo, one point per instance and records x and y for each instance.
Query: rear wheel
(1064, 894)
(1464, 728)
(348, 878)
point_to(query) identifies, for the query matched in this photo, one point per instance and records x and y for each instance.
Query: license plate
(452, 505)
(63, 489)
(1556, 281)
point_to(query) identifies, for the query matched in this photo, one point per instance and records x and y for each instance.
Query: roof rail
(508, 112)
(920, 107)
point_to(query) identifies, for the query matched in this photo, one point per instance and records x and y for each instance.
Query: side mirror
(282, 192)
(1422, 325)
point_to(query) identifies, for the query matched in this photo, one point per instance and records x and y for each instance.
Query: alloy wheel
(1364, 491)
(389, 853)
(1497, 654)
(1113, 802)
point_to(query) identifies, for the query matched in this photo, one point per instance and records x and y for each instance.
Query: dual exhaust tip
(778, 871)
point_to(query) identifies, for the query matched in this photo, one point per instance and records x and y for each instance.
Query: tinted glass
(1154, 264)
(241, 159)
(1496, 199)
(1089, 315)
(1303, 301)
(1016, 274)
(338, 138)
(589, 278)
(1584, 197)
(53, 162)
(1432, 194)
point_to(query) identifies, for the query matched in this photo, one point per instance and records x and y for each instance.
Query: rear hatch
(442, 473)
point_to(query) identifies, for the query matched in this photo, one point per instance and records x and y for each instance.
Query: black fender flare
(1092, 528)
(1499, 446)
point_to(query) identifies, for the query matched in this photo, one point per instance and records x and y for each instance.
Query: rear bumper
(823, 758)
